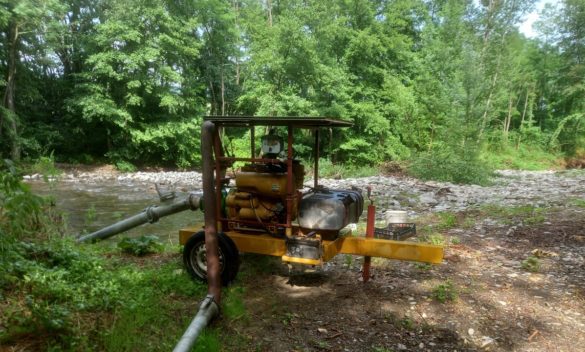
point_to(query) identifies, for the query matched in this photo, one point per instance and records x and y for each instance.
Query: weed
(434, 238)
(233, 305)
(287, 319)
(455, 240)
(45, 166)
(125, 166)
(348, 260)
(535, 219)
(578, 202)
(407, 323)
(22, 213)
(468, 223)
(145, 244)
(423, 266)
(445, 292)
(90, 215)
(531, 264)
(447, 221)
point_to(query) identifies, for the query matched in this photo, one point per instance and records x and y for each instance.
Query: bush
(125, 166)
(451, 165)
(143, 245)
(21, 212)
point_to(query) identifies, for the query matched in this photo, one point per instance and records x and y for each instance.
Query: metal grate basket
(396, 232)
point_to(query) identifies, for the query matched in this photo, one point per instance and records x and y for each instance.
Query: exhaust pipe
(151, 215)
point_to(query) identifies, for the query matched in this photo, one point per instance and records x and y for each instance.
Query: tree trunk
(222, 95)
(522, 120)
(484, 120)
(237, 56)
(508, 119)
(269, 6)
(12, 61)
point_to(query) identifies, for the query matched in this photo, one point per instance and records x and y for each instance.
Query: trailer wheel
(195, 260)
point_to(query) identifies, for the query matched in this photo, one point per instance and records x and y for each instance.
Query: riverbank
(508, 188)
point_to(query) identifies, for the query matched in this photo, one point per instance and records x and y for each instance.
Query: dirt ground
(497, 303)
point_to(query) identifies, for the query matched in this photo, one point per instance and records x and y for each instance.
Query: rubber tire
(228, 253)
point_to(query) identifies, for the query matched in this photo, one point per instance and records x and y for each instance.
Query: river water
(89, 206)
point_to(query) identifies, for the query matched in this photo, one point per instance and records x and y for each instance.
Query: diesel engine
(258, 200)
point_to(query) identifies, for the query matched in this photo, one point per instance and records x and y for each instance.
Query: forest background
(450, 86)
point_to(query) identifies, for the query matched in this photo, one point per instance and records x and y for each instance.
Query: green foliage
(143, 245)
(407, 323)
(445, 292)
(421, 80)
(208, 341)
(233, 307)
(125, 166)
(450, 166)
(525, 157)
(45, 165)
(447, 221)
(578, 202)
(327, 169)
(423, 266)
(434, 238)
(531, 264)
(21, 212)
(90, 215)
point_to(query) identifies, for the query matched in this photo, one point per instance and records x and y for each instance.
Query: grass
(433, 238)
(327, 169)
(529, 214)
(526, 157)
(578, 202)
(57, 295)
(531, 264)
(445, 292)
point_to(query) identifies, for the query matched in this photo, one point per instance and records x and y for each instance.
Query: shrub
(445, 292)
(531, 264)
(450, 165)
(143, 245)
(125, 166)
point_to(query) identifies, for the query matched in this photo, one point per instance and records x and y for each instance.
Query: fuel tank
(327, 211)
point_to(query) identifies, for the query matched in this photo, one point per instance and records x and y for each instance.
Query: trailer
(264, 207)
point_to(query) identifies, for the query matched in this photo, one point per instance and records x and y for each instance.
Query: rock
(486, 341)
(470, 331)
(401, 347)
(428, 199)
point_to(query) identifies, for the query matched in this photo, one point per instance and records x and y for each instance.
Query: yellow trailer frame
(371, 247)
